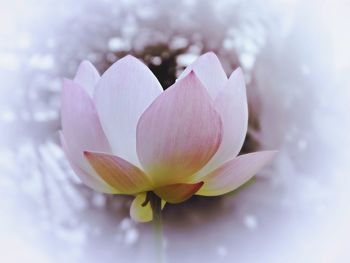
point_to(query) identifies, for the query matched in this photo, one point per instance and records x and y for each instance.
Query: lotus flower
(123, 134)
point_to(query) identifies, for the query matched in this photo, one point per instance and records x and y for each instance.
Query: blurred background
(296, 59)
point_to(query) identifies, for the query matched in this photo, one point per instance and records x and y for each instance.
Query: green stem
(156, 204)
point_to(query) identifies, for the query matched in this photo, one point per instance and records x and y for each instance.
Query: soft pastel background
(296, 58)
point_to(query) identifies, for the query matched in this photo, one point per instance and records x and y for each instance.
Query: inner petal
(179, 132)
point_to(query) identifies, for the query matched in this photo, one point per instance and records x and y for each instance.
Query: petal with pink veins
(234, 173)
(87, 76)
(119, 173)
(81, 127)
(89, 178)
(125, 90)
(177, 193)
(179, 132)
(231, 103)
(141, 211)
(209, 70)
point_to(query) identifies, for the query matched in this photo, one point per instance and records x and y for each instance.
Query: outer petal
(125, 90)
(231, 103)
(81, 127)
(234, 173)
(177, 193)
(179, 132)
(209, 70)
(88, 178)
(120, 174)
(87, 76)
(141, 213)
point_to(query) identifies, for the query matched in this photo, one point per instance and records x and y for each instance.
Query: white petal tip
(209, 54)
(129, 57)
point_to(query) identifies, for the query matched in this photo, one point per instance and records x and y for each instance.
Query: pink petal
(80, 124)
(234, 173)
(87, 76)
(209, 70)
(177, 193)
(140, 212)
(87, 177)
(120, 174)
(125, 90)
(231, 103)
(179, 133)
